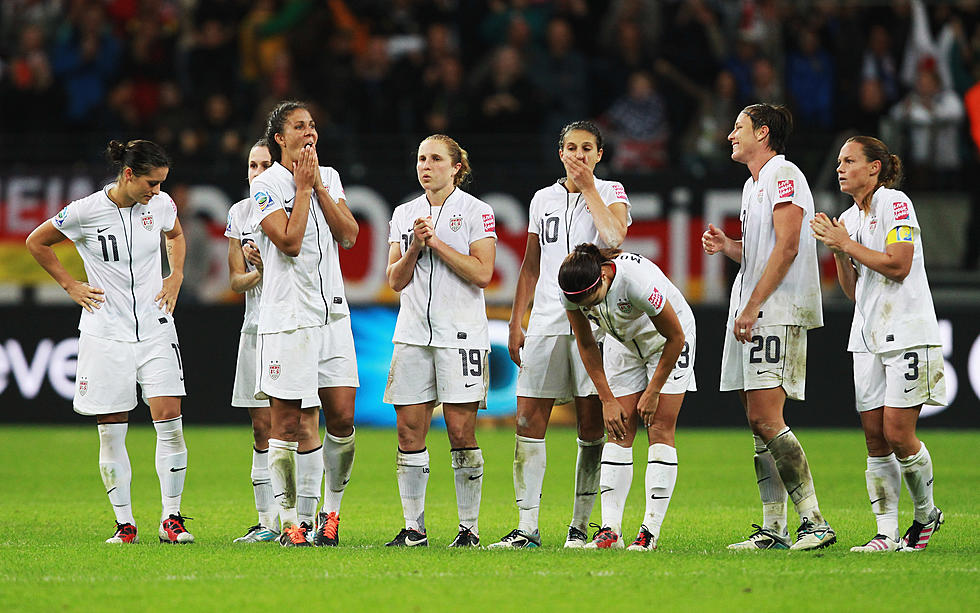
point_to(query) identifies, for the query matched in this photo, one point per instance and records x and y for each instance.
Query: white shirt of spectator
(796, 300)
(889, 315)
(239, 230)
(637, 293)
(306, 290)
(933, 130)
(120, 248)
(562, 221)
(438, 308)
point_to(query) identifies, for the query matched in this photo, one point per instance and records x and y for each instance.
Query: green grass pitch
(55, 516)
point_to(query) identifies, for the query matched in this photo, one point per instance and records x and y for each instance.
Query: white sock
(771, 489)
(614, 484)
(171, 461)
(468, 470)
(918, 479)
(586, 481)
(884, 480)
(282, 476)
(530, 461)
(660, 480)
(263, 489)
(413, 475)
(309, 483)
(338, 460)
(116, 471)
(795, 473)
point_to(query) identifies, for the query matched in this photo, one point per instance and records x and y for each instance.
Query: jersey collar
(772, 163)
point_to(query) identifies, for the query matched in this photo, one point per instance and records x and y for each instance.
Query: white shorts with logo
(243, 391)
(443, 374)
(776, 357)
(108, 371)
(627, 374)
(902, 378)
(551, 367)
(293, 365)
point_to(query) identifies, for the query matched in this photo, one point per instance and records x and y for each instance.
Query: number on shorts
(473, 357)
(105, 247)
(685, 360)
(551, 230)
(913, 359)
(771, 344)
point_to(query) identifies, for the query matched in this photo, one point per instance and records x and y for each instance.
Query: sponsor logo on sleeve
(61, 216)
(620, 191)
(786, 188)
(263, 200)
(456, 222)
(904, 234)
(489, 225)
(656, 299)
(901, 210)
(147, 219)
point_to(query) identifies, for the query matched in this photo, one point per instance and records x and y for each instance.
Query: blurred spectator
(871, 105)
(923, 45)
(15, 15)
(505, 99)
(374, 94)
(766, 86)
(498, 24)
(638, 127)
(560, 74)
(810, 82)
(443, 104)
(211, 60)
(611, 71)
(28, 87)
(740, 64)
(879, 63)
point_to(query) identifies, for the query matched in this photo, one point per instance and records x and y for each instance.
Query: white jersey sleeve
(68, 221)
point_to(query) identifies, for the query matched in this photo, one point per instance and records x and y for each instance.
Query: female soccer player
(442, 249)
(127, 334)
(898, 360)
(306, 347)
(642, 371)
(774, 301)
(578, 208)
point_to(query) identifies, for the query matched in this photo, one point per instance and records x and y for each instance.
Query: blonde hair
(458, 156)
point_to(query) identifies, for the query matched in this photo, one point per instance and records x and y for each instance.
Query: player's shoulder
(273, 178)
(894, 203)
(405, 208)
(852, 212)
(328, 173)
(164, 202)
(96, 199)
(466, 200)
(612, 191)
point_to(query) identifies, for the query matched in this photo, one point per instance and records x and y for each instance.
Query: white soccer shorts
(551, 367)
(443, 374)
(243, 390)
(776, 357)
(627, 374)
(900, 379)
(295, 364)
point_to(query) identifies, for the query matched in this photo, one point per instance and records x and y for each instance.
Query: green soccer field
(55, 516)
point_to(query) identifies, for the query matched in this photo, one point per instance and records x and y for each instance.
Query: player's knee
(765, 427)
(461, 436)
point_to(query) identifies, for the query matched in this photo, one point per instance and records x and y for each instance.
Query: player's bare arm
(787, 220)
(894, 263)
(669, 326)
(286, 231)
(714, 240)
(40, 243)
(341, 221)
(241, 280)
(613, 413)
(476, 267)
(527, 280)
(176, 251)
(401, 267)
(610, 221)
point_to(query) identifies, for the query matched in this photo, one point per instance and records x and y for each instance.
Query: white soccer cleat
(645, 541)
(813, 536)
(880, 543)
(917, 536)
(258, 534)
(518, 539)
(576, 539)
(762, 538)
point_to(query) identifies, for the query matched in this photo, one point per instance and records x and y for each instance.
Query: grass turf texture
(55, 516)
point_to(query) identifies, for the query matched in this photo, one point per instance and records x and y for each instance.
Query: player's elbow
(483, 279)
(350, 237)
(898, 275)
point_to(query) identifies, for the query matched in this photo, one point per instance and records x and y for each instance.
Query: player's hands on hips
(86, 296)
(252, 255)
(578, 171)
(305, 170)
(167, 298)
(713, 240)
(744, 323)
(647, 406)
(515, 342)
(830, 232)
(615, 417)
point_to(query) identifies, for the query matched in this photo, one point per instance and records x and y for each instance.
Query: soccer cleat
(465, 538)
(518, 539)
(172, 530)
(812, 536)
(295, 536)
(327, 530)
(258, 534)
(880, 542)
(645, 541)
(125, 533)
(409, 537)
(576, 539)
(762, 538)
(604, 538)
(917, 536)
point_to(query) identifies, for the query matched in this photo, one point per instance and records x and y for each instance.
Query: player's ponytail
(580, 274)
(458, 155)
(142, 156)
(874, 150)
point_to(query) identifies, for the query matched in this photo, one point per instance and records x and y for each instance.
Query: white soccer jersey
(438, 308)
(120, 248)
(561, 220)
(306, 290)
(796, 300)
(637, 293)
(239, 229)
(889, 315)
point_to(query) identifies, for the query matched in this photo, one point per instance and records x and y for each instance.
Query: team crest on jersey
(901, 210)
(656, 299)
(82, 386)
(624, 306)
(147, 219)
(489, 225)
(456, 222)
(61, 216)
(786, 188)
(873, 224)
(263, 200)
(274, 369)
(760, 196)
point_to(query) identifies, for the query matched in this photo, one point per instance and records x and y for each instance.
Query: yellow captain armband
(899, 234)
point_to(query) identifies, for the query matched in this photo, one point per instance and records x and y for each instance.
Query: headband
(582, 291)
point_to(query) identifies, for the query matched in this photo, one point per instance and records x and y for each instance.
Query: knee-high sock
(771, 488)
(309, 483)
(660, 480)
(116, 471)
(282, 475)
(884, 480)
(338, 460)
(918, 479)
(468, 469)
(171, 461)
(530, 461)
(614, 484)
(262, 489)
(795, 473)
(587, 468)
(413, 475)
